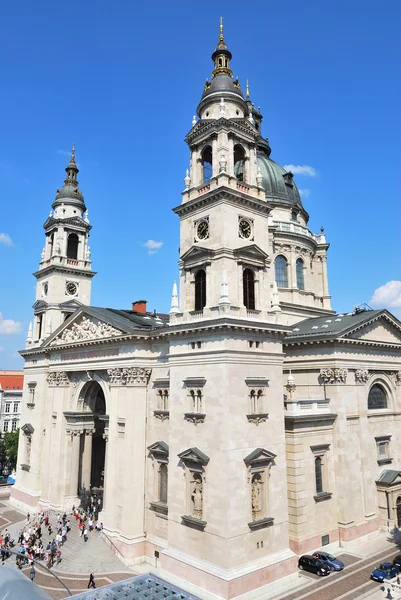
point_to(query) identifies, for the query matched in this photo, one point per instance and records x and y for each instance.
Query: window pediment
(159, 450)
(252, 255)
(193, 456)
(28, 429)
(259, 457)
(196, 256)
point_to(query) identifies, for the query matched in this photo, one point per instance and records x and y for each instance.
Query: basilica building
(250, 424)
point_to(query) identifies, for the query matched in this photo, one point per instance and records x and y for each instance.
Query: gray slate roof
(333, 326)
(129, 318)
(143, 587)
(388, 476)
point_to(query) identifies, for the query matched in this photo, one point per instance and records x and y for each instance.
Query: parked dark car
(314, 565)
(397, 561)
(330, 560)
(384, 571)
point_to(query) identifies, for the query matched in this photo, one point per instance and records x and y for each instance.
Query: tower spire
(247, 94)
(221, 56)
(221, 43)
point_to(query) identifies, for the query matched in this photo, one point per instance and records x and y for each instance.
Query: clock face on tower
(71, 288)
(244, 228)
(202, 230)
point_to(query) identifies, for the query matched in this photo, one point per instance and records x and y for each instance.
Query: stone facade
(249, 425)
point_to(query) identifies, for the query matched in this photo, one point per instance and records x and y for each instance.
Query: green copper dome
(278, 183)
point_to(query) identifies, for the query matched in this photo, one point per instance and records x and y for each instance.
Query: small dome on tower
(70, 192)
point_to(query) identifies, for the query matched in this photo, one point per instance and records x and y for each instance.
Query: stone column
(76, 438)
(87, 458)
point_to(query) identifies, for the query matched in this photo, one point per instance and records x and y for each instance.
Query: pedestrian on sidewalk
(85, 535)
(32, 573)
(91, 581)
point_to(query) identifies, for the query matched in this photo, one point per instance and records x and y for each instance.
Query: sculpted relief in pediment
(86, 329)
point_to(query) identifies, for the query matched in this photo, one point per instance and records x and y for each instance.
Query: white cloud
(1, 348)
(5, 239)
(8, 326)
(65, 152)
(152, 246)
(388, 294)
(301, 170)
(305, 193)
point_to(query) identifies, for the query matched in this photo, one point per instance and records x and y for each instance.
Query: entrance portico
(87, 444)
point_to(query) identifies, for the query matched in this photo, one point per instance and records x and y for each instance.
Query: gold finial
(221, 36)
(247, 95)
(73, 153)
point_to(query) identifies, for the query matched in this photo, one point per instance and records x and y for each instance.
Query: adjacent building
(250, 424)
(11, 386)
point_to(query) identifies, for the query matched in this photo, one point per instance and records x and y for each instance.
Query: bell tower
(224, 216)
(65, 273)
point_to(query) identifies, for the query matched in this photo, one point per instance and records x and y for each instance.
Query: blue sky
(122, 80)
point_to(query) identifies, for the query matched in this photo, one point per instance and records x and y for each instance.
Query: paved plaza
(79, 558)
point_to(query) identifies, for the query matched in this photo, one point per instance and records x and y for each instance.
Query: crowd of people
(30, 545)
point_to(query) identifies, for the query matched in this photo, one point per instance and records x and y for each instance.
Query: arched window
(163, 483)
(72, 246)
(248, 282)
(318, 475)
(239, 161)
(300, 274)
(200, 290)
(280, 267)
(207, 163)
(377, 397)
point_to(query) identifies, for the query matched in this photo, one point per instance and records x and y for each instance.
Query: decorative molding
(333, 375)
(87, 329)
(261, 523)
(190, 521)
(257, 418)
(361, 375)
(129, 376)
(57, 378)
(194, 382)
(396, 377)
(195, 418)
(159, 507)
(322, 496)
(163, 415)
(256, 382)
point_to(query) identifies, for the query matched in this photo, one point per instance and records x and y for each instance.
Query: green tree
(10, 447)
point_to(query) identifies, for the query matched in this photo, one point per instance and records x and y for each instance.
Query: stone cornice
(220, 195)
(341, 341)
(205, 128)
(75, 222)
(185, 329)
(65, 269)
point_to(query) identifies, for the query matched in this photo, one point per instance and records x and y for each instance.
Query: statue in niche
(28, 450)
(197, 497)
(256, 497)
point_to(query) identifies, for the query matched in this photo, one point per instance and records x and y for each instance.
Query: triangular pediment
(81, 327)
(197, 254)
(259, 457)
(194, 455)
(252, 254)
(384, 328)
(39, 305)
(389, 477)
(159, 450)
